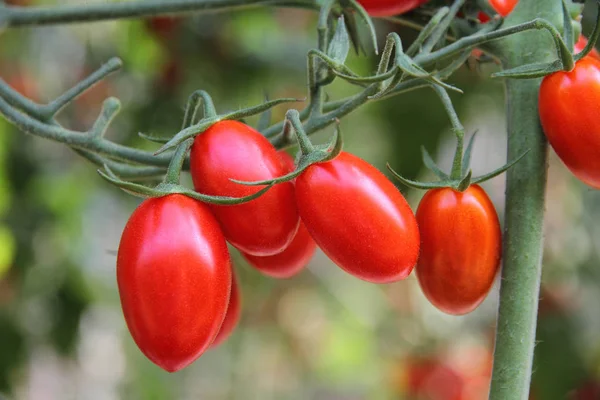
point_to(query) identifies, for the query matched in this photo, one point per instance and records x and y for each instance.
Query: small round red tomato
(387, 8)
(296, 256)
(503, 7)
(580, 45)
(358, 218)
(174, 278)
(569, 106)
(233, 314)
(461, 247)
(230, 149)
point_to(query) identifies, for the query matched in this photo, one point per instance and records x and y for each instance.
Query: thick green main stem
(525, 202)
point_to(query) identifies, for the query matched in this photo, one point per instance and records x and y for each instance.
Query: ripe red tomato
(503, 7)
(581, 43)
(569, 105)
(295, 257)
(233, 314)
(230, 149)
(174, 277)
(461, 247)
(290, 261)
(429, 378)
(358, 218)
(387, 8)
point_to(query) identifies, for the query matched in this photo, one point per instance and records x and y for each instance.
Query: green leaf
(340, 44)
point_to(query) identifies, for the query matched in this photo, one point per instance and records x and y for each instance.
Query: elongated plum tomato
(230, 149)
(503, 7)
(387, 8)
(296, 256)
(358, 218)
(569, 106)
(461, 247)
(174, 277)
(233, 314)
(580, 45)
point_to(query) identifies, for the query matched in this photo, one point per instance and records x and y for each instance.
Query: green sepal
(421, 185)
(154, 139)
(465, 182)
(340, 43)
(164, 189)
(529, 71)
(429, 163)
(323, 153)
(467, 156)
(206, 123)
(427, 31)
(500, 170)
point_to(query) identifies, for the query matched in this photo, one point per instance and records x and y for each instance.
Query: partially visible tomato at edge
(387, 8)
(233, 314)
(503, 7)
(231, 149)
(174, 278)
(569, 106)
(358, 218)
(461, 246)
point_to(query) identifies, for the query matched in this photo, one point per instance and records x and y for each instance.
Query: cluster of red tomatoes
(174, 270)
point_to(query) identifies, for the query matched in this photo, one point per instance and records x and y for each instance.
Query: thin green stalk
(29, 16)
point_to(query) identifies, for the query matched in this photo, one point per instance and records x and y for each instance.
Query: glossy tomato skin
(503, 7)
(387, 8)
(569, 106)
(358, 218)
(290, 261)
(174, 278)
(461, 246)
(230, 149)
(580, 45)
(295, 256)
(233, 314)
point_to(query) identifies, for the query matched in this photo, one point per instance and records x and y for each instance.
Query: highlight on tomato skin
(569, 105)
(461, 246)
(232, 317)
(358, 218)
(231, 149)
(174, 279)
(388, 8)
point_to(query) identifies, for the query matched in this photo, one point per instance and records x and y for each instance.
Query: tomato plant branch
(31, 16)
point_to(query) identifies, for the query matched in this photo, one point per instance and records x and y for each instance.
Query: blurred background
(320, 335)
